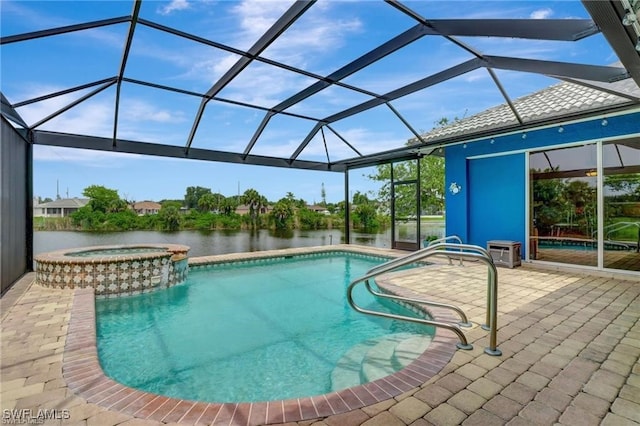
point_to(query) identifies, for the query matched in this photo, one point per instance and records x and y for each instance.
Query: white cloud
(541, 13)
(173, 6)
(263, 85)
(256, 17)
(476, 76)
(137, 110)
(138, 119)
(84, 157)
(296, 46)
(93, 116)
(364, 140)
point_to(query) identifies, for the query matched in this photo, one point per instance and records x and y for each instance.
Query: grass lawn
(431, 218)
(628, 233)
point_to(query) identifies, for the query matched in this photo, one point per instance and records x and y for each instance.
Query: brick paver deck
(570, 344)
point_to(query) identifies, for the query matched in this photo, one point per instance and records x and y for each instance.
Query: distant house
(146, 207)
(59, 208)
(243, 209)
(318, 209)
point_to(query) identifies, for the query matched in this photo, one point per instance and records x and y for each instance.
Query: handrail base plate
(464, 347)
(494, 352)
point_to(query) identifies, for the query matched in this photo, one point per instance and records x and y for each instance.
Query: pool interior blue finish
(251, 332)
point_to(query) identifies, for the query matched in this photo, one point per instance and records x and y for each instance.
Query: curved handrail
(417, 255)
(463, 344)
(490, 279)
(444, 240)
(463, 317)
(617, 226)
(472, 252)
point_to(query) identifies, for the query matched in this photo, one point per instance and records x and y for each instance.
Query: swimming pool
(253, 331)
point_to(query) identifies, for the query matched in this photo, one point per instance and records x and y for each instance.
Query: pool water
(583, 245)
(257, 331)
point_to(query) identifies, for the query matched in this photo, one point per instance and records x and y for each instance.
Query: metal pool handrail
(417, 255)
(420, 255)
(481, 254)
(463, 317)
(444, 240)
(434, 250)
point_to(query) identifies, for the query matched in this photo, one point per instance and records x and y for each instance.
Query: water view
(219, 242)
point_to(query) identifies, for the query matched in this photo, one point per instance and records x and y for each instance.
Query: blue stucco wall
(496, 199)
(491, 204)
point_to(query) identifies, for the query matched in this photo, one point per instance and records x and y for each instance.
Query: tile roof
(558, 100)
(65, 203)
(149, 205)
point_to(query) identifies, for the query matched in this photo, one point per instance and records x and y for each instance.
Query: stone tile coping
(84, 376)
(113, 270)
(147, 251)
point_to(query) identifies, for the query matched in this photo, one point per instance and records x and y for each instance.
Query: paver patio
(570, 344)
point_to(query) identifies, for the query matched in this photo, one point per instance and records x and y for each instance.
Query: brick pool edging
(82, 372)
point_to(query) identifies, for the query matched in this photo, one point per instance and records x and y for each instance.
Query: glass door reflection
(621, 196)
(406, 216)
(564, 222)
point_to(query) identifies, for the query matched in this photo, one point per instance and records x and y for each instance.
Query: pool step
(347, 371)
(410, 349)
(376, 358)
(392, 355)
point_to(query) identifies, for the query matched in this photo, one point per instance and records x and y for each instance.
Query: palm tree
(228, 205)
(207, 202)
(169, 218)
(255, 202)
(282, 213)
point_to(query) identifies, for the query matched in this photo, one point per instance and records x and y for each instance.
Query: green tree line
(202, 209)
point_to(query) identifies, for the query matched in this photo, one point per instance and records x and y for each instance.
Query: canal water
(217, 242)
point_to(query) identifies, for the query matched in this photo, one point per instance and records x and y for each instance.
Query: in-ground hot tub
(114, 270)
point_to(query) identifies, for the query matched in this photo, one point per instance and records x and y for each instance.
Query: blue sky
(329, 35)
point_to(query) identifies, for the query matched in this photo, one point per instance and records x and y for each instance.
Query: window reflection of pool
(580, 244)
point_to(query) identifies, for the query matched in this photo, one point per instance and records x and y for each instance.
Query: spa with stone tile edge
(115, 269)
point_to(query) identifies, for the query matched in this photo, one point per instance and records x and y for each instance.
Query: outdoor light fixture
(629, 18)
(592, 173)
(604, 122)
(492, 141)
(524, 136)
(454, 188)
(561, 129)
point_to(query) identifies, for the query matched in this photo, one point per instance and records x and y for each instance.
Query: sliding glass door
(563, 186)
(584, 205)
(621, 204)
